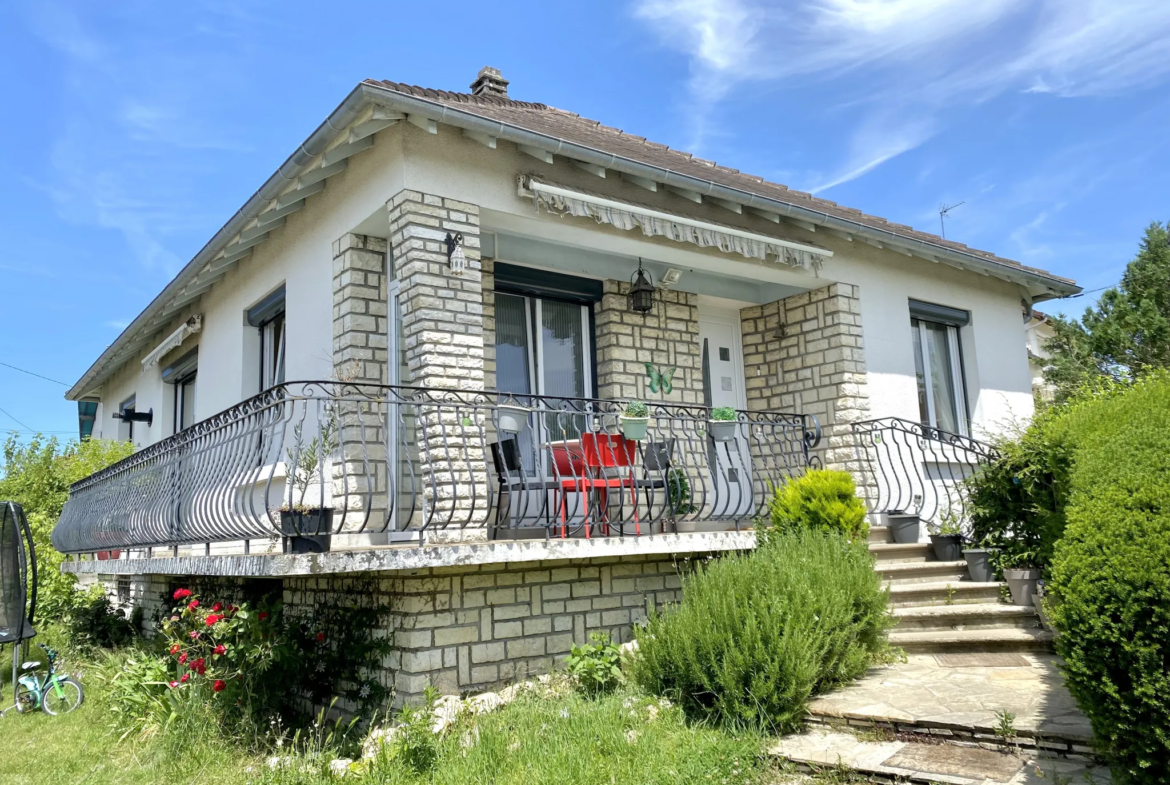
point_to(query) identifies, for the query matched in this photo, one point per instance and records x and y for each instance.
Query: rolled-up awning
(173, 341)
(560, 200)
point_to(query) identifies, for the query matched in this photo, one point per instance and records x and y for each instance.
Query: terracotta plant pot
(723, 430)
(947, 547)
(979, 565)
(1022, 583)
(905, 527)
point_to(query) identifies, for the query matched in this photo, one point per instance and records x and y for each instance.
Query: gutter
(365, 94)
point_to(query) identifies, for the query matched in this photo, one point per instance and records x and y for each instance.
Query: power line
(30, 373)
(18, 422)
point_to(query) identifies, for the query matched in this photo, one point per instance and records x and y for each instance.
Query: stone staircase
(940, 610)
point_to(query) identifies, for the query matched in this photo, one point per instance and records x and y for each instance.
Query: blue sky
(132, 130)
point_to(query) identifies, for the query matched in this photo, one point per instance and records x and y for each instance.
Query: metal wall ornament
(641, 297)
(455, 256)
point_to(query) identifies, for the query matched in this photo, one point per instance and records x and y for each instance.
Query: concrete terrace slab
(927, 693)
(413, 557)
(900, 761)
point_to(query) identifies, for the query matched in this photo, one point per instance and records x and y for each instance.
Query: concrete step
(892, 552)
(880, 534)
(966, 641)
(896, 759)
(922, 572)
(907, 595)
(983, 616)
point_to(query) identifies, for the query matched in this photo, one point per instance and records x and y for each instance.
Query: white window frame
(956, 373)
(181, 402)
(272, 373)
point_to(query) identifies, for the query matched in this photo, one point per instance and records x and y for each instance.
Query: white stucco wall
(447, 164)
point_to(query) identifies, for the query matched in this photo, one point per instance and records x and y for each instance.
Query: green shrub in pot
(635, 419)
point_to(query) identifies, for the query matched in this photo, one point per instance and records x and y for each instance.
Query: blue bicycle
(52, 693)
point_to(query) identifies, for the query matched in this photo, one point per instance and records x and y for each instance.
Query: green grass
(624, 737)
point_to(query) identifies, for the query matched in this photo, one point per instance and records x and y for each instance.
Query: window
(268, 317)
(938, 365)
(181, 376)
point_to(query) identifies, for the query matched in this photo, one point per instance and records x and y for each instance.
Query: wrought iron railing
(910, 467)
(320, 459)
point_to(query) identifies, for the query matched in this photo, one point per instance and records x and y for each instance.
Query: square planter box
(723, 430)
(947, 547)
(905, 527)
(307, 531)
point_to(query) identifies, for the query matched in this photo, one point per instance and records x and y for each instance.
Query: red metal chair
(588, 463)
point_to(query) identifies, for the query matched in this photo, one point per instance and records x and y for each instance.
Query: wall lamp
(455, 256)
(129, 415)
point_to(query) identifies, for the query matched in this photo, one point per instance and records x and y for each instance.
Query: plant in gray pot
(947, 538)
(904, 526)
(723, 423)
(511, 417)
(1022, 578)
(305, 520)
(635, 419)
(979, 563)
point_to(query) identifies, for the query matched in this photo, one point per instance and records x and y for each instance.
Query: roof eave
(367, 93)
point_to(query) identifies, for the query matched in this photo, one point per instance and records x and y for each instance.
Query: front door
(723, 385)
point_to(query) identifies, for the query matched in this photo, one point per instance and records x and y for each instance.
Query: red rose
(194, 634)
(193, 604)
(217, 607)
(197, 663)
(211, 619)
(183, 658)
(219, 650)
(173, 684)
(320, 637)
(201, 669)
(262, 615)
(181, 593)
(175, 649)
(218, 685)
(232, 609)
(184, 679)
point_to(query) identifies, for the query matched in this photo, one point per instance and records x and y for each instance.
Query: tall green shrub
(821, 499)
(756, 635)
(1110, 577)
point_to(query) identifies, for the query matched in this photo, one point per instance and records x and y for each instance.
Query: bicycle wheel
(26, 699)
(70, 697)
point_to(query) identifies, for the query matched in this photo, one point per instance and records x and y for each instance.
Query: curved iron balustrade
(911, 467)
(332, 458)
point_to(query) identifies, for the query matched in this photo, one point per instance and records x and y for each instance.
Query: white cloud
(919, 57)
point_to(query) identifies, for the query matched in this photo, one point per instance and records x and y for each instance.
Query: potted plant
(979, 563)
(308, 526)
(512, 417)
(635, 419)
(904, 526)
(723, 423)
(1022, 578)
(947, 538)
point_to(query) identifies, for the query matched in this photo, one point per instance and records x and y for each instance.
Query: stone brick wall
(667, 337)
(468, 629)
(360, 328)
(804, 354)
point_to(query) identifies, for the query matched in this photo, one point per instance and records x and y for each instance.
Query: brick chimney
(490, 81)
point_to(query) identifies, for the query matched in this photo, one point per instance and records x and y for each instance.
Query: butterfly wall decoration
(661, 379)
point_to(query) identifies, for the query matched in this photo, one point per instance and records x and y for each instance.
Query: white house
(347, 340)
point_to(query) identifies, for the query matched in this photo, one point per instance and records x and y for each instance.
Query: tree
(37, 475)
(1127, 334)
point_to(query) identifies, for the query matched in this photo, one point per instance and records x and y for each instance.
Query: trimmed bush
(823, 500)
(1110, 577)
(757, 634)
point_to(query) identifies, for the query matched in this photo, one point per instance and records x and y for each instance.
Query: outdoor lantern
(641, 297)
(455, 255)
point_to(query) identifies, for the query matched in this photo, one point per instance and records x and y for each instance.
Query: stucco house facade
(325, 389)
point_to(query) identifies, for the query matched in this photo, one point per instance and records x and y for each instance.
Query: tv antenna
(943, 211)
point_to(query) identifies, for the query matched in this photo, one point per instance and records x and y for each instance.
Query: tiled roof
(571, 127)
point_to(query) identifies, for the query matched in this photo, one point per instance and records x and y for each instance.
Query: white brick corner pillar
(443, 339)
(804, 354)
(360, 328)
